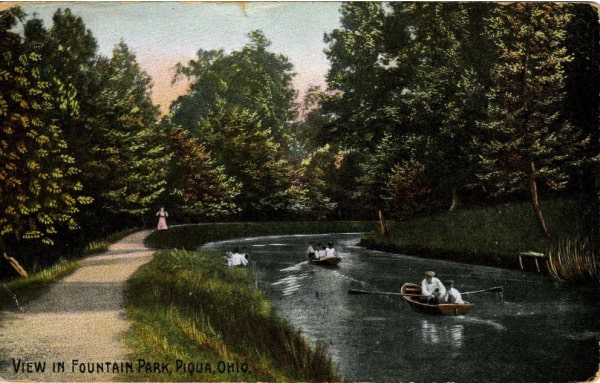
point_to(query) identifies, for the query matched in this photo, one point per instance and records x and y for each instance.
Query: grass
(100, 246)
(189, 307)
(21, 290)
(191, 237)
(574, 260)
(491, 237)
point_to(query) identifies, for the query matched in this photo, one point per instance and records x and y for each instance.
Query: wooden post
(383, 223)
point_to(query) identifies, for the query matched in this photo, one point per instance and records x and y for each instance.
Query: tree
(40, 193)
(128, 168)
(252, 79)
(527, 140)
(250, 155)
(449, 70)
(239, 108)
(357, 93)
(195, 185)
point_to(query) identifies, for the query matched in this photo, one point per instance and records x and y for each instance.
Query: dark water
(537, 330)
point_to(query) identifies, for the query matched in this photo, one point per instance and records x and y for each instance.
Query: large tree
(240, 107)
(127, 169)
(253, 79)
(528, 141)
(450, 60)
(39, 190)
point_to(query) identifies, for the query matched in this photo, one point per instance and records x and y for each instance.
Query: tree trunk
(535, 202)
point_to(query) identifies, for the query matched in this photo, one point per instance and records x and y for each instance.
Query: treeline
(431, 106)
(428, 106)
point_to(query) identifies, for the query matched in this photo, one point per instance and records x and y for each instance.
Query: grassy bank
(21, 290)
(490, 237)
(190, 237)
(189, 310)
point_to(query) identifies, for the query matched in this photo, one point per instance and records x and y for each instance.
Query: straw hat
(430, 274)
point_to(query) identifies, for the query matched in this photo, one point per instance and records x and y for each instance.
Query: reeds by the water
(574, 260)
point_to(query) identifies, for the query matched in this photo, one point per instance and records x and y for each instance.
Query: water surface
(537, 330)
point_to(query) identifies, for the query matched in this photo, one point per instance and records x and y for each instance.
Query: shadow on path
(81, 316)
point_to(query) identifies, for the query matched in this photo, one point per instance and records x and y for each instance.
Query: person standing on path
(162, 219)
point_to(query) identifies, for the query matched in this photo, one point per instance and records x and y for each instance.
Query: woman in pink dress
(162, 219)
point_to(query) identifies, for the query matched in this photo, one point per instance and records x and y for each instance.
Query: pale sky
(162, 34)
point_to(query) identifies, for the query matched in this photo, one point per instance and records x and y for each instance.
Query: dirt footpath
(79, 318)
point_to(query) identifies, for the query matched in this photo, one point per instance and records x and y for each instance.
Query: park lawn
(491, 236)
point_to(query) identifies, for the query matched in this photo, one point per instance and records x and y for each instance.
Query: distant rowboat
(411, 293)
(327, 261)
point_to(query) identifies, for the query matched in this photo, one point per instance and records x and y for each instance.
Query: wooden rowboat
(412, 295)
(327, 261)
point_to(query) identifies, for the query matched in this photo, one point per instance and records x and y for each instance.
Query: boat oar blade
(357, 292)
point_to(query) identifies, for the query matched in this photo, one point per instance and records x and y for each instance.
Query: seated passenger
(236, 258)
(453, 295)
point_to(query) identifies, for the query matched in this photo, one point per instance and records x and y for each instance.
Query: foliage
(126, 169)
(39, 190)
(239, 107)
(252, 79)
(249, 154)
(527, 140)
(197, 187)
(433, 83)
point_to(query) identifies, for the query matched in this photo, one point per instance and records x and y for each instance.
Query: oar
(497, 289)
(356, 292)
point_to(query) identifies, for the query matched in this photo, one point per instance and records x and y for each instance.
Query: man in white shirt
(432, 288)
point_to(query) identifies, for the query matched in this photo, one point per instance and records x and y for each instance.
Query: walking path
(81, 317)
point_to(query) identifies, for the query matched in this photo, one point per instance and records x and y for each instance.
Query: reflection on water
(542, 332)
(445, 335)
(291, 283)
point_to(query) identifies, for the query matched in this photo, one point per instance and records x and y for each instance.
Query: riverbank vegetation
(191, 237)
(191, 307)
(427, 107)
(496, 236)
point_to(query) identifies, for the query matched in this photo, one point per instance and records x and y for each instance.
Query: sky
(161, 34)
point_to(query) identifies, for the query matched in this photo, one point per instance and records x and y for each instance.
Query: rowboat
(411, 293)
(327, 261)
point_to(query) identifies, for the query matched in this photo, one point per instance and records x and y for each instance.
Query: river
(536, 330)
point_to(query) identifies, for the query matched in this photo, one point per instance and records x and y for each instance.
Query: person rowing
(432, 288)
